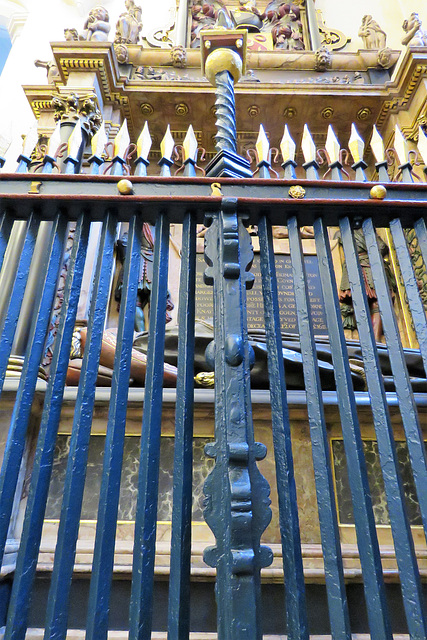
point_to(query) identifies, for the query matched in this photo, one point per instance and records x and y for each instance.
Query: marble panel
(129, 478)
(376, 484)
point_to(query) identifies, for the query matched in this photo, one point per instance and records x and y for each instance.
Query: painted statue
(283, 21)
(145, 276)
(345, 297)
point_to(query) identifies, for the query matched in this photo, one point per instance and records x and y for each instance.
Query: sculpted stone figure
(385, 59)
(51, 69)
(97, 26)
(179, 57)
(323, 59)
(371, 33)
(414, 35)
(129, 24)
(71, 35)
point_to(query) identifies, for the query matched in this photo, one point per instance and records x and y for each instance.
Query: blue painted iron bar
(411, 287)
(369, 552)
(103, 558)
(179, 580)
(331, 545)
(9, 321)
(296, 608)
(289, 167)
(6, 225)
(421, 231)
(43, 461)
(402, 535)
(141, 603)
(16, 437)
(57, 605)
(408, 410)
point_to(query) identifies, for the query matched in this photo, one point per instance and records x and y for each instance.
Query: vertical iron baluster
(407, 406)
(141, 604)
(411, 287)
(297, 624)
(402, 535)
(57, 606)
(34, 514)
(179, 582)
(421, 231)
(369, 552)
(331, 545)
(6, 225)
(24, 398)
(9, 321)
(103, 557)
(236, 494)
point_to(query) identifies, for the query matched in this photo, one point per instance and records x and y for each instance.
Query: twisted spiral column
(225, 138)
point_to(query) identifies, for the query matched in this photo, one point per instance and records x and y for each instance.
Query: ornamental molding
(409, 82)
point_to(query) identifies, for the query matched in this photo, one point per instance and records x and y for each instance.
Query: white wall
(346, 15)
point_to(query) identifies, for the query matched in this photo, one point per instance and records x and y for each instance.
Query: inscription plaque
(255, 306)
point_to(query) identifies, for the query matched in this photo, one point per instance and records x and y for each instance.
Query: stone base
(227, 164)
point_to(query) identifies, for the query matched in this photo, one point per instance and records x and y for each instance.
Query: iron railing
(237, 496)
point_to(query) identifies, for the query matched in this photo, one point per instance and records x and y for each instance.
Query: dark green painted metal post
(237, 496)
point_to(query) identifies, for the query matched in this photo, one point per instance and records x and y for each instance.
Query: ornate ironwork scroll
(237, 495)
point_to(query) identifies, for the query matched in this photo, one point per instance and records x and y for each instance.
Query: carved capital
(72, 107)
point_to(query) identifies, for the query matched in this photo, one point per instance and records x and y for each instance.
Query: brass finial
(122, 141)
(262, 146)
(223, 60)
(125, 187)
(190, 145)
(144, 142)
(400, 145)
(167, 144)
(223, 50)
(75, 141)
(356, 145)
(99, 141)
(422, 144)
(332, 146)
(377, 146)
(30, 140)
(287, 146)
(54, 141)
(308, 146)
(378, 192)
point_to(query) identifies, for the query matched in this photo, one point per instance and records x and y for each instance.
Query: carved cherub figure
(97, 26)
(371, 33)
(414, 35)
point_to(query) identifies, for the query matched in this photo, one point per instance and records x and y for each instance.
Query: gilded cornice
(403, 88)
(99, 58)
